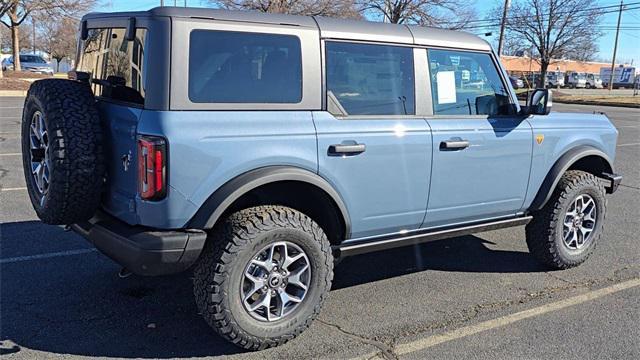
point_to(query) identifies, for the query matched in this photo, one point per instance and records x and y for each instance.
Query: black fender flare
(223, 197)
(560, 167)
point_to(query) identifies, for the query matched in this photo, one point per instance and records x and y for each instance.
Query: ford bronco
(255, 149)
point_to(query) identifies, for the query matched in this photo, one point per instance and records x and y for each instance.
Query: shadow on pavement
(462, 254)
(77, 304)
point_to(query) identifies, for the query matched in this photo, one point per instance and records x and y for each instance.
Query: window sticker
(446, 81)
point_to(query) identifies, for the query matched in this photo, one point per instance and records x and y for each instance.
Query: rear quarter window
(243, 67)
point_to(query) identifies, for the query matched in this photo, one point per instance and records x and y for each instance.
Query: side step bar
(357, 247)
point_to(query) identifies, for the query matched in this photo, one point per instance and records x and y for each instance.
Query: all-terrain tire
(75, 151)
(232, 244)
(545, 231)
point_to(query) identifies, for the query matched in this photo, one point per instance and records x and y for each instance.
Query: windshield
(32, 59)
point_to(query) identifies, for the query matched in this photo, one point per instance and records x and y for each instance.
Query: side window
(466, 83)
(107, 56)
(241, 67)
(365, 79)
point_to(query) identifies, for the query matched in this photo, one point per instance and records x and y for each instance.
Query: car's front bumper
(46, 71)
(614, 182)
(141, 250)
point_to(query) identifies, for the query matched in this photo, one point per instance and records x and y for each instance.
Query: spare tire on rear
(62, 151)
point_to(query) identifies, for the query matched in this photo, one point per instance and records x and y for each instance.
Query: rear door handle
(346, 149)
(457, 144)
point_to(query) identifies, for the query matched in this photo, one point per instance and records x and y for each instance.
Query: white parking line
(632, 144)
(425, 343)
(11, 154)
(46, 256)
(12, 189)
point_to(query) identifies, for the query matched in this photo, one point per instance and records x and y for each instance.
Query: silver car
(33, 63)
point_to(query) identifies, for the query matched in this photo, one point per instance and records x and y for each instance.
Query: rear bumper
(141, 250)
(614, 182)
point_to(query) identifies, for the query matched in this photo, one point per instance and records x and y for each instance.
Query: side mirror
(539, 102)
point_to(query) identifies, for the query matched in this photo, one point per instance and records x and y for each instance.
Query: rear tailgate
(119, 128)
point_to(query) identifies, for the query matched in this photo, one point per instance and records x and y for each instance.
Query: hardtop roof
(328, 27)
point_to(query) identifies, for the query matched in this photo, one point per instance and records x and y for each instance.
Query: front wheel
(263, 276)
(564, 232)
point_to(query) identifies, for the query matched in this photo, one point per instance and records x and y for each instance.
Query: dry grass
(23, 75)
(14, 84)
(602, 99)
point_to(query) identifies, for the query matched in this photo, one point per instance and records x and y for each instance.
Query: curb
(13, 93)
(597, 103)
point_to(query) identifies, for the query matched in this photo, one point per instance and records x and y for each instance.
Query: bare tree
(58, 38)
(14, 12)
(334, 8)
(556, 29)
(450, 14)
(513, 45)
(26, 37)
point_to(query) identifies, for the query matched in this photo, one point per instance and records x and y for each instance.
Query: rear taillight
(152, 172)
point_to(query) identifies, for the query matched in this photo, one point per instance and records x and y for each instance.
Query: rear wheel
(263, 276)
(564, 233)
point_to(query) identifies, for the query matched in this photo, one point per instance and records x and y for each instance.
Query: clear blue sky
(628, 41)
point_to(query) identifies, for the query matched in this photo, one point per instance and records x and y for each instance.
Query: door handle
(457, 144)
(351, 148)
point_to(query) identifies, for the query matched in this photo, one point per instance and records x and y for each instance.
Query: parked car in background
(32, 63)
(516, 82)
(575, 80)
(593, 81)
(555, 79)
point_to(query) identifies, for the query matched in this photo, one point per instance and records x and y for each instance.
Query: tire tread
(231, 237)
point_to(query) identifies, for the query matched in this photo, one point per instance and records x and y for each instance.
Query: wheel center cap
(275, 280)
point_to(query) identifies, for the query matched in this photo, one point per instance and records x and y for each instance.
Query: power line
(557, 13)
(494, 25)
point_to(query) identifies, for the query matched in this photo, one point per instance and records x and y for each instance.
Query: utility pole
(615, 48)
(34, 34)
(161, 2)
(504, 21)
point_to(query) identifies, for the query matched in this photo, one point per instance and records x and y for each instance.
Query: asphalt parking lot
(472, 297)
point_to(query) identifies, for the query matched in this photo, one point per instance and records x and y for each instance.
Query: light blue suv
(257, 148)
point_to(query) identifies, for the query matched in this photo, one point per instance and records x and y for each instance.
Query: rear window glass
(115, 65)
(365, 79)
(241, 67)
